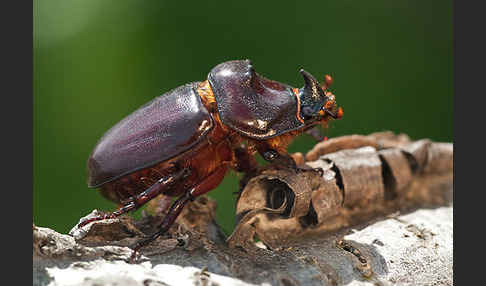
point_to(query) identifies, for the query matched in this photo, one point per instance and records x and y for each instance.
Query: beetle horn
(312, 96)
(312, 88)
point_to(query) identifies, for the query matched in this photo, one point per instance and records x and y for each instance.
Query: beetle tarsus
(141, 243)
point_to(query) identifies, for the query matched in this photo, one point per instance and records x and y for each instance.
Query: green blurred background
(97, 61)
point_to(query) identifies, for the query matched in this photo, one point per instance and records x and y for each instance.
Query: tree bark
(379, 213)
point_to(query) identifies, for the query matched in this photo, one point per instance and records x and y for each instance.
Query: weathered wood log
(397, 232)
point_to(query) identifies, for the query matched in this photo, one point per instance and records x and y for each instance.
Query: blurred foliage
(97, 61)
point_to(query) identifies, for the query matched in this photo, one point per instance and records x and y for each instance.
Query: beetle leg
(281, 159)
(154, 191)
(168, 221)
(147, 181)
(142, 198)
(207, 184)
(246, 163)
(305, 168)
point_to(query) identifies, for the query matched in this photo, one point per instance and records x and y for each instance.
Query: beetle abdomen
(157, 131)
(254, 106)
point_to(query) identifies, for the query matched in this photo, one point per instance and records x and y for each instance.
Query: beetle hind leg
(168, 221)
(139, 200)
(208, 183)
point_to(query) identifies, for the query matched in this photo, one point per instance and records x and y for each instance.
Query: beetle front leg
(277, 158)
(283, 159)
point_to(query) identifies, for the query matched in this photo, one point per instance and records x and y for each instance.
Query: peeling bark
(355, 186)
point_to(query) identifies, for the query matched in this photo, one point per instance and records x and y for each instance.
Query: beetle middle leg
(139, 200)
(245, 163)
(207, 184)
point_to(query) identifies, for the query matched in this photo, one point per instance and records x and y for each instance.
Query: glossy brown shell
(159, 130)
(254, 106)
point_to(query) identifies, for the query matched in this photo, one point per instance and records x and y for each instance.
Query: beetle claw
(134, 257)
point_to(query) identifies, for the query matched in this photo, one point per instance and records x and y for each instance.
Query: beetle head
(316, 102)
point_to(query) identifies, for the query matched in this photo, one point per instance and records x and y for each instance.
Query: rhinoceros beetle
(184, 142)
